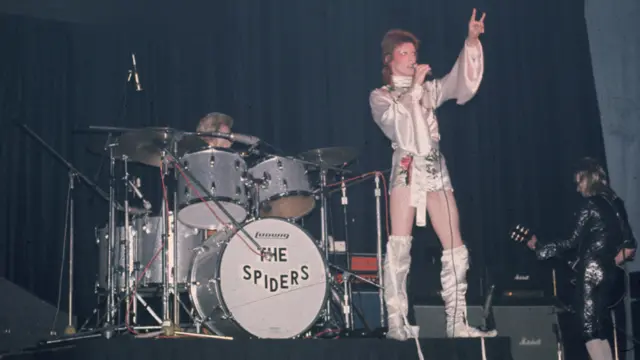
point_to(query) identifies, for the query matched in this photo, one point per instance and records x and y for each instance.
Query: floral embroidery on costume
(405, 168)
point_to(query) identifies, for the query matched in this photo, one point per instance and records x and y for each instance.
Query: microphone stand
(73, 174)
(71, 329)
(348, 293)
(377, 194)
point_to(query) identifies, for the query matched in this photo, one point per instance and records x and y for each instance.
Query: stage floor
(127, 347)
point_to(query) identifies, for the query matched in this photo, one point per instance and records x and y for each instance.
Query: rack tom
(221, 172)
(284, 189)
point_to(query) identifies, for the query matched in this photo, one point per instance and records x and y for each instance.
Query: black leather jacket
(601, 230)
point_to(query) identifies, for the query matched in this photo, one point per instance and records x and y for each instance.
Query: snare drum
(237, 292)
(221, 172)
(285, 190)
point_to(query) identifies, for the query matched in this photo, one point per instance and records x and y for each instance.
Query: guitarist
(604, 239)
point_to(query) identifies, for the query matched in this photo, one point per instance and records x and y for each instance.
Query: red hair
(392, 39)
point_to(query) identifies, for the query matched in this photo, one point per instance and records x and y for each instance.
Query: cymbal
(145, 145)
(332, 156)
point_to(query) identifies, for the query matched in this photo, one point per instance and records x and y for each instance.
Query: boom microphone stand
(73, 174)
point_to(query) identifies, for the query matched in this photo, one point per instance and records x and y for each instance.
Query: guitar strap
(618, 215)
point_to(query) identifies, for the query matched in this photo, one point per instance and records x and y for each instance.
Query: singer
(603, 238)
(404, 109)
(216, 122)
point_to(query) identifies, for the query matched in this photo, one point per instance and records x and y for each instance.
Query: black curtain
(298, 75)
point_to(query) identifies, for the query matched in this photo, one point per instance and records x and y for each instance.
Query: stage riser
(25, 319)
(348, 349)
(531, 328)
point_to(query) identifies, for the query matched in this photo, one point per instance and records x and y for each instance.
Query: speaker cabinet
(532, 329)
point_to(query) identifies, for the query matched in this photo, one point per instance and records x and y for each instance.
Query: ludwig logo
(519, 277)
(265, 235)
(530, 342)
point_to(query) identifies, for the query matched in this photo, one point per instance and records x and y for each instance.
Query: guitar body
(617, 288)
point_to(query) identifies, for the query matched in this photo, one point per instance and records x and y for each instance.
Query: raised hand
(476, 27)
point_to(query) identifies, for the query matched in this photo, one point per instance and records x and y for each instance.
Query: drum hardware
(326, 159)
(151, 147)
(173, 160)
(186, 173)
(347, 299)
(128, 258)
(75, 174)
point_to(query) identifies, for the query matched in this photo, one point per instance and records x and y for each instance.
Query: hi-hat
(332, 156)
(146, 145)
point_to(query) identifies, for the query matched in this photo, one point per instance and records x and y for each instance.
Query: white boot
(396, 270)
(455, 263)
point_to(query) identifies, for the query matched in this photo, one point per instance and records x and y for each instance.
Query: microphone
(415, 65)
(244, 139)
(237, 137)
(136, 77)
(136, 190)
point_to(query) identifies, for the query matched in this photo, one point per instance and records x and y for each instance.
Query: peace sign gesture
(476, 27)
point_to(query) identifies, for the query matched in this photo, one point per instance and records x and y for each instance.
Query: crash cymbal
(145, 146)
(332, 156)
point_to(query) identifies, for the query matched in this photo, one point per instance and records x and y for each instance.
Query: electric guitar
(617, 292)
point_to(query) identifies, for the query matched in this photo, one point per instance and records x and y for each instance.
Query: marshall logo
(265, 235)
(530, 342)
(521, 277)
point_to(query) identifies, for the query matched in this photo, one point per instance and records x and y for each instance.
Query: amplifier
(532, 329)
(364, 265)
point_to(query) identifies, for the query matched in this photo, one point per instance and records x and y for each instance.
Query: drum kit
(225, 235)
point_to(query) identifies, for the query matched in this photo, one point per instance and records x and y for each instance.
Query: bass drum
(237, 292)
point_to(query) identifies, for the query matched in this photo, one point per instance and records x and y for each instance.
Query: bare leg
(599, 349)
(445, 219)
(402, 214)
(397, 263)
(607, 353)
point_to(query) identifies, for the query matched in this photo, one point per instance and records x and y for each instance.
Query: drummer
(216, 122)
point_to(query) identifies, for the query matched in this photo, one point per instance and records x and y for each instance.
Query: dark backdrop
(298, 75)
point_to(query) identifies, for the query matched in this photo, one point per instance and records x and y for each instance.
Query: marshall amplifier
(524, 280)
(532, 329)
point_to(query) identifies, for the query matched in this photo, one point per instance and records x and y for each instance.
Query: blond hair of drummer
(216, 122)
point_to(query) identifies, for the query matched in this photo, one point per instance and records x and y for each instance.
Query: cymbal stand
(127, 242)
(324, 242)
(111, 297)
(167, 325)
(176, 236)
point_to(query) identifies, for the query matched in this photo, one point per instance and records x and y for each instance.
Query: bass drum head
(276, 298)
